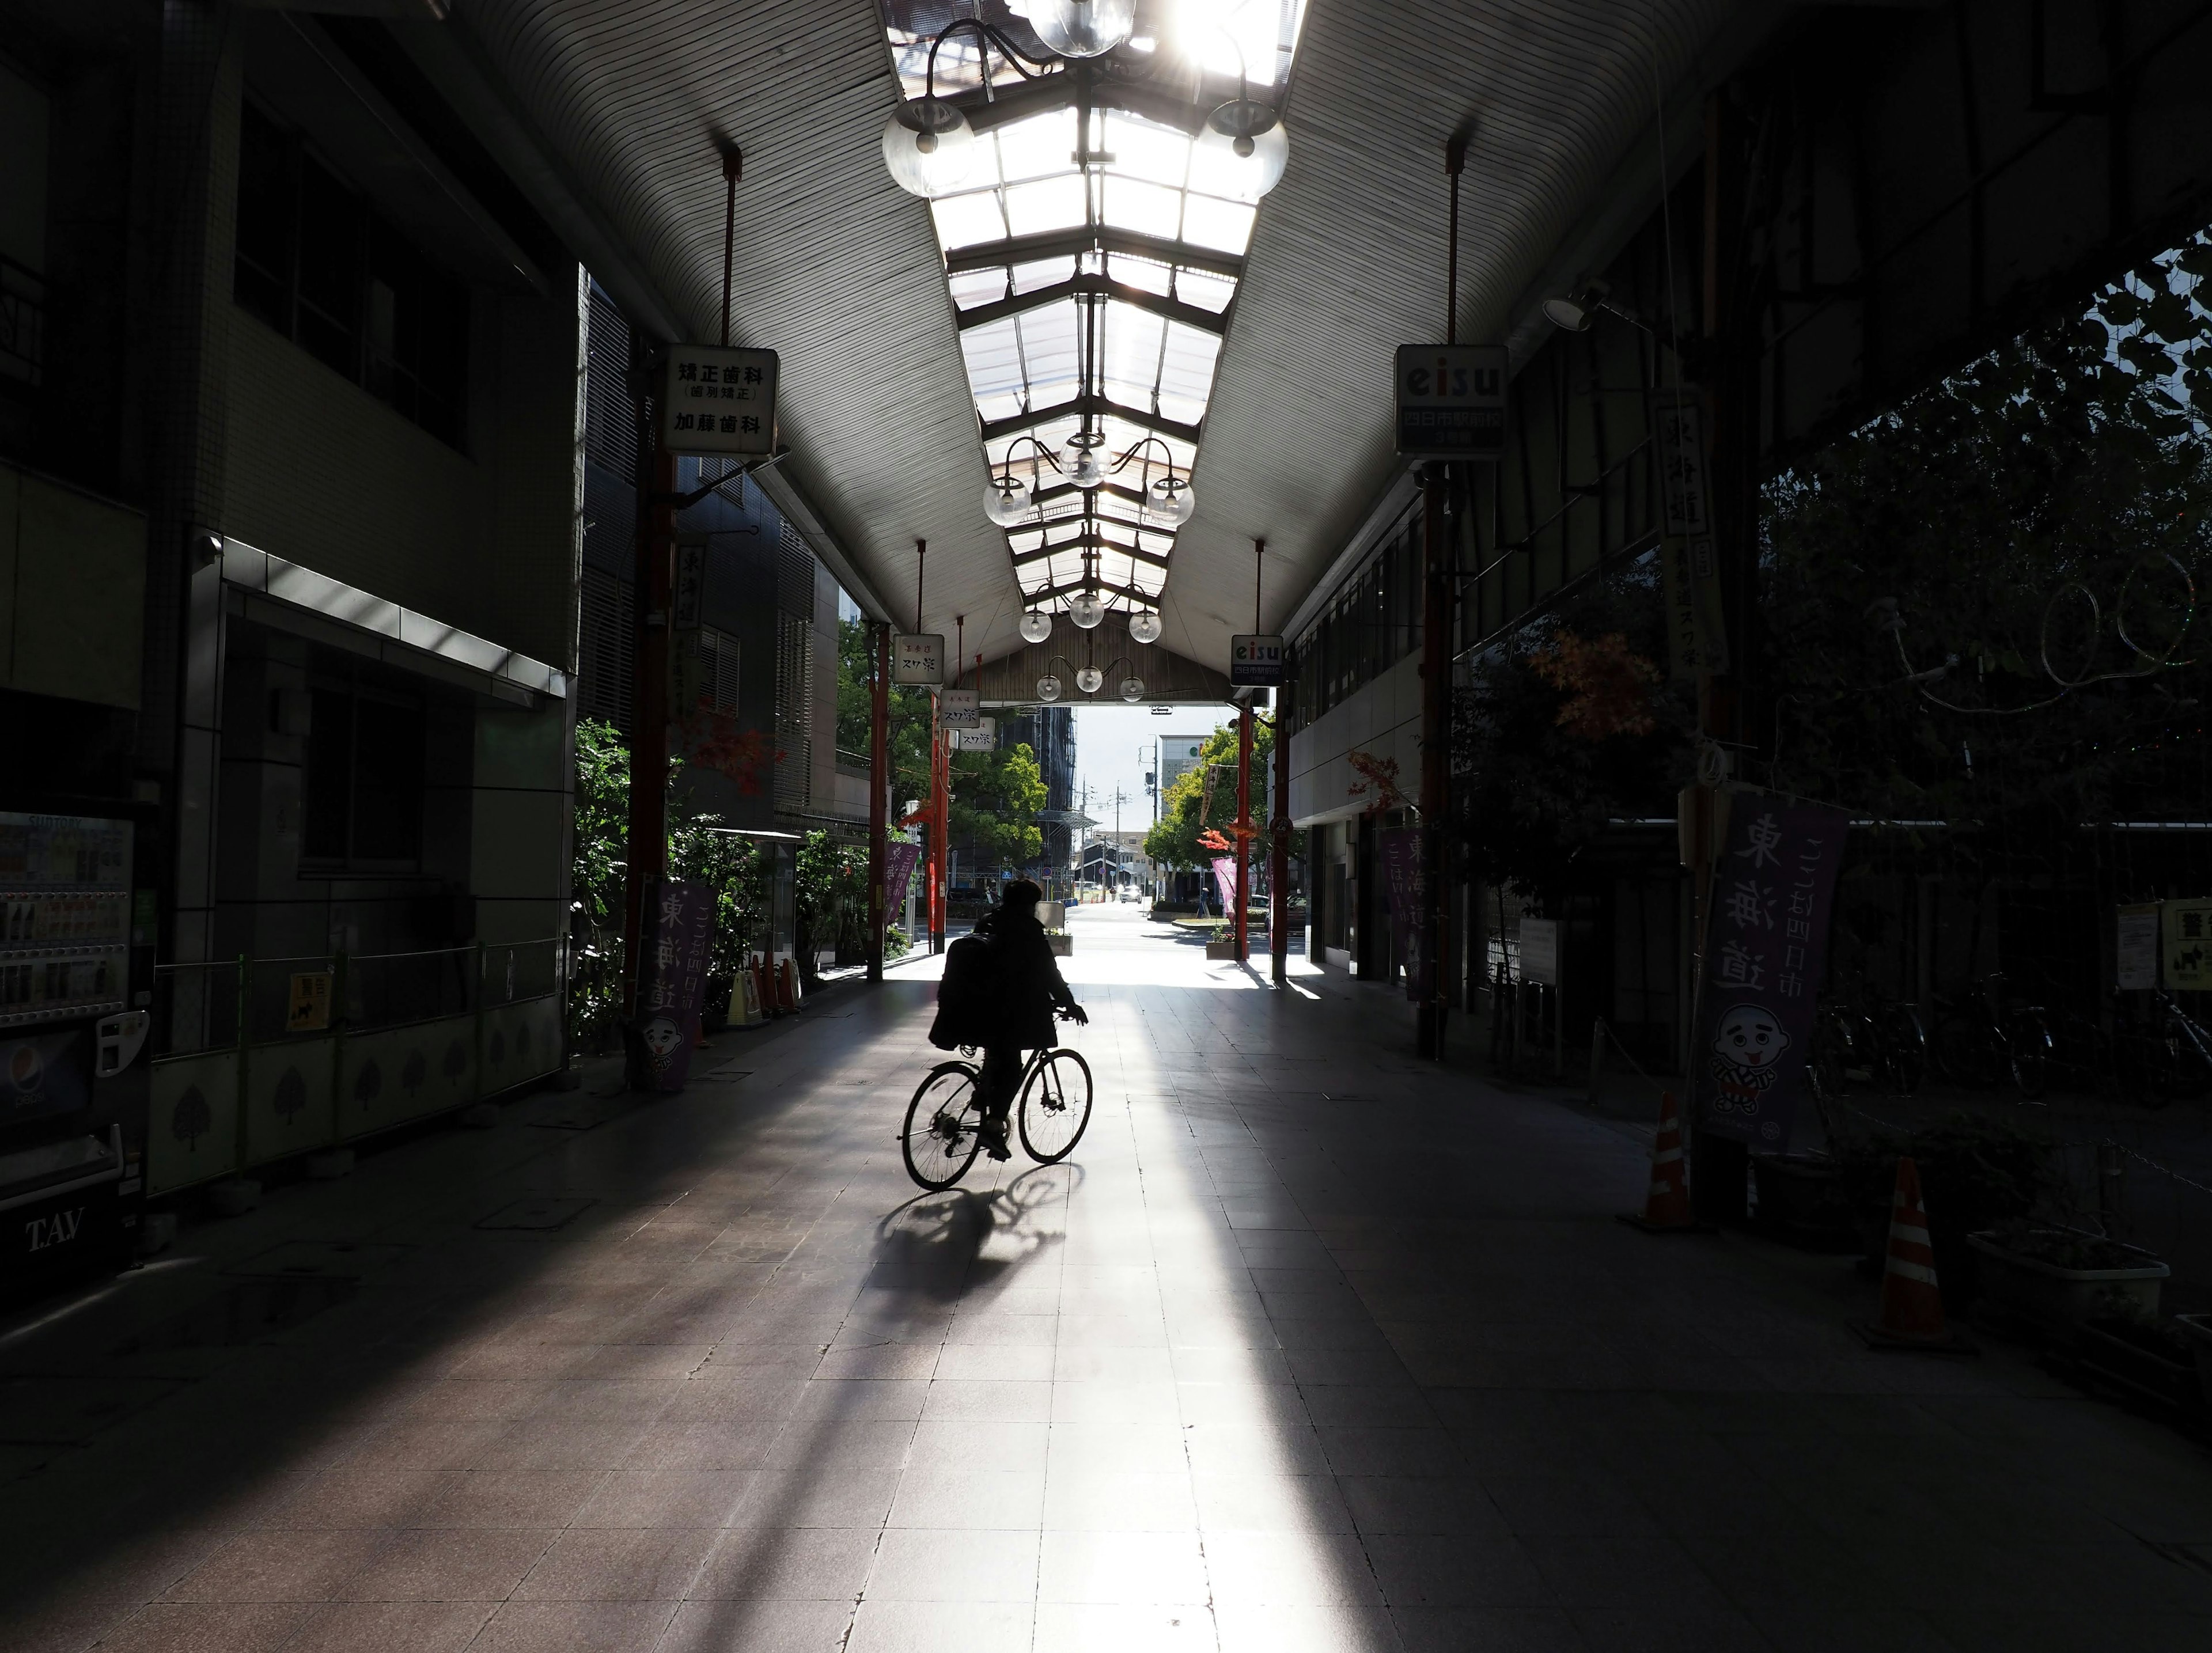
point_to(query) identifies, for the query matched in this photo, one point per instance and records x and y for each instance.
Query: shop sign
(308, 1008)
(2135, 950)
(717, 400)
(690, 580)
(1766, 941)
(2187, 926)
(918, 658)
(898, 867)
(1451, 401)
(1697, 639)
(1256, 661)
(959, 708)
(1225, 881)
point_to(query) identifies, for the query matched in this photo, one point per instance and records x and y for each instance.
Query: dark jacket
(1030, 982)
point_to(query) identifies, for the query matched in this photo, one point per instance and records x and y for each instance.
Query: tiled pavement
(1310, 1346)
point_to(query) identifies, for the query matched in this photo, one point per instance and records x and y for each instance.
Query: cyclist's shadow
(960, 1243)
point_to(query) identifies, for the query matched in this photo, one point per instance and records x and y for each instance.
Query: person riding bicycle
(1029, 990)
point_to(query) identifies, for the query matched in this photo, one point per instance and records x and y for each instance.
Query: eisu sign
(1451, 401)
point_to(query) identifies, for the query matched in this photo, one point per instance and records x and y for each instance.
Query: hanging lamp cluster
(1093, 169)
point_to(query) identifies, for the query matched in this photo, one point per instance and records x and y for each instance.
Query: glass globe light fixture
(1144, 628)
(929, 146)
(1169, 501)
(1086, 472)
(1037, 626)
(1133, 688)
(1007, 500)
(1088, 679)
(1047, 687)
(1083, 28)
(1086, 609)
(1245, 145)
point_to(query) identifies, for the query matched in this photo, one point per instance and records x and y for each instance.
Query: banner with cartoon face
(1766, 948)
(679, 930)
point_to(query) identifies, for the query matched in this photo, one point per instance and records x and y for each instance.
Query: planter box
(2196, 1330)
(2064, 1300)
(1220, 949)
(1801, 1196)
(2139, 1361)
(1063, 946)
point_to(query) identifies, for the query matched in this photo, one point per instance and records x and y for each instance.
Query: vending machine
(72, 1020)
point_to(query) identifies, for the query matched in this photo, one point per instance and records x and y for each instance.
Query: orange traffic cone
(786, 985)
(1667, 1207)
(1911, 1315)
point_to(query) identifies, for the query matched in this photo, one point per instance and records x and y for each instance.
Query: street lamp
(1083, 28)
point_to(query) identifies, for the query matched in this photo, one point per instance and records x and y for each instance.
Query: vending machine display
(65, 1014)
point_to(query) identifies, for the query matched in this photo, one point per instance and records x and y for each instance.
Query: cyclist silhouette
(1030, 990)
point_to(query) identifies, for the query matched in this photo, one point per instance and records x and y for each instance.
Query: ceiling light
(1037, 626)
(1086, 609)
(1047, 687)
(1572, 314)
(1086, 472)
(1244, 139)
(1006, 498)
(929, 146)
(1133, 688)
(1083, 28)
(1169, 501)
(1144, 627)
(1088, 678)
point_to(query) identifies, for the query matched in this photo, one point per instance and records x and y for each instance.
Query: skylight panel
(1133, 355)
(968, 220)
(1036, 146)
(1042, 272)
(1204, 289)
(1147, 209)
(1049, 203)
(1217, 226)
(973, 287)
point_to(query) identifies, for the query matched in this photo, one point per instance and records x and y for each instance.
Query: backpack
(967, 997)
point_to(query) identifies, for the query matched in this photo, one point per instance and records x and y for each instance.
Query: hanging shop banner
(717, 400)
(2135, 953)
(1256, 661)
(918, 657)
(959, 708)
(899, 860)
(1451, 401)
(1682, 457)
(1399, 849)
(2188, 927)
(1696, 640)
(1224, 880)
(690, 586)
(1766, 941)
(1540, 952)
(682, 928)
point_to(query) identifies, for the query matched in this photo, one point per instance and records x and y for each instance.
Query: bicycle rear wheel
(939, 1139)
(1967, 1051)
(1903, 1048)
(1055, 1106)
(2028, 1044)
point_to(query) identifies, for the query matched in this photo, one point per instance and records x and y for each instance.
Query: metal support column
(1427, 954)
(1243, 921)
(648, 736)
(879, 774)
(1278, 839)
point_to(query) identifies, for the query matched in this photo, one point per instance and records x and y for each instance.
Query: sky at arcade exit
(1114, 749)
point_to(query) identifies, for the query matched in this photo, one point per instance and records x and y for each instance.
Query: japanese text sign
(2135, 952)
(2188, 927)
(1451, 401)
(960, 709)
(918, 657)
(1224, 880)
(1540, 952)
(680, 929)
(1399, 848)
(1766, 939)
(717, 400)
(898, 867)
(308, 1010)
(1682, 462)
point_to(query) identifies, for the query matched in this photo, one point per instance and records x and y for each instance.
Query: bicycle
(943, 1132)
(1854, 1042)
(1978, 1040)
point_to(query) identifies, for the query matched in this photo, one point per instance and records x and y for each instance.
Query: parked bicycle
(1878, 1042)
(1980, 1039)
(2146, 1050)
(942, 1133)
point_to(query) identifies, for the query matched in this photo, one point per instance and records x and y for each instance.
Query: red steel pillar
(879, 781)
(1278, 839)
(1243, 831)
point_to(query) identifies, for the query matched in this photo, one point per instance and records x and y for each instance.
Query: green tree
(996, 798)
(1189, 809)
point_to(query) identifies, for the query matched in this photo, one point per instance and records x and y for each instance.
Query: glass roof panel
(1152, 180)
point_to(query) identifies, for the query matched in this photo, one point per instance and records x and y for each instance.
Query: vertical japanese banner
(1399, 850)
(1767, 944)
(674, 986)
(899, 860)
(1224, 879)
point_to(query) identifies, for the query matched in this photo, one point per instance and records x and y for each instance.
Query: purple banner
(680, 926)
(1400, 850)
(899, 860)
(1224, 880)
(1767, 946)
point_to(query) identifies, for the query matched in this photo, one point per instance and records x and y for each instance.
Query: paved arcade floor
(1310, 1346)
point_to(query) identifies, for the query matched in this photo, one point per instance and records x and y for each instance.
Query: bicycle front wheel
(940, 1139)
(1055, 1106)
(2029, 1045)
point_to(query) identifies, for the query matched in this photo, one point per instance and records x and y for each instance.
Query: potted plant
(2061, 1278)
(2138, 1354)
